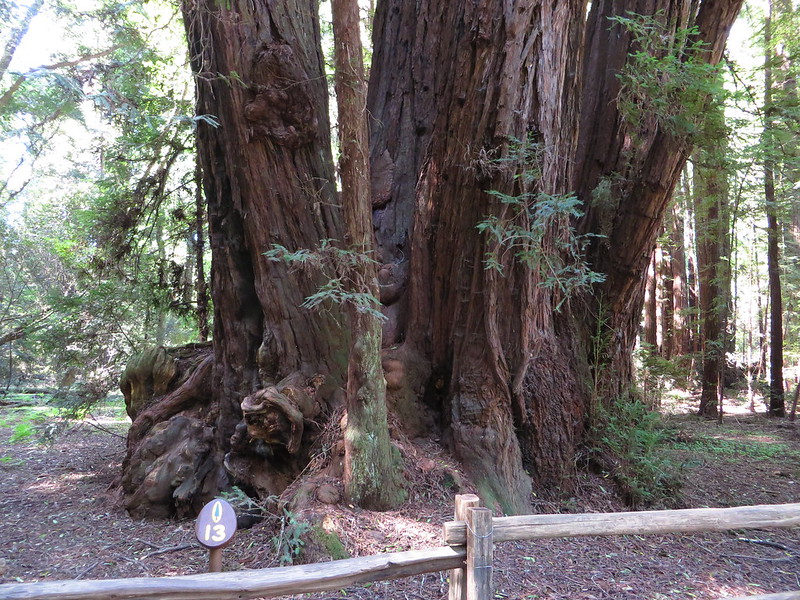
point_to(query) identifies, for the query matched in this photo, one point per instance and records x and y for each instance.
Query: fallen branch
(761, 558)
(87, 569)
(105, 430)
(166, 550)
(769, 544)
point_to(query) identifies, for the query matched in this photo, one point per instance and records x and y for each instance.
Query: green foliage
(30, 423)
(22, 432)
(99, 239)
(632, 438)
(244, 504)
(656, 374)
(289, 543)
(724, 448)
(534, 228)
(341, 266)
(666, 76)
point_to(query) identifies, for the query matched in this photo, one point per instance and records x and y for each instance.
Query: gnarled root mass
(180, 452)
(169, 465)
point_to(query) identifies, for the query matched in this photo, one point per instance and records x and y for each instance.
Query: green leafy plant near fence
(289, 539)
(629, 442)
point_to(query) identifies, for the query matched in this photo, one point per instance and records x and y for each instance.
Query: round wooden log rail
(259, 583)
(781, 596)
(530, 527)
(320, 577)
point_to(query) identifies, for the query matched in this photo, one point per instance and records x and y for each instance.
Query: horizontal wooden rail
(261, 583)
(781, 596)
(530, 527)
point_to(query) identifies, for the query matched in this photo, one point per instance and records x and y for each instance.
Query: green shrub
(22, 432)
(628, 442)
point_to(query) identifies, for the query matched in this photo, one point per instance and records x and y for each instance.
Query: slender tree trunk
(776, 392)
(712, 232)
(15, 38)
(651, 306)
(681, 332)
(372, 471)
(710, 194)
(200, 283)
(667, 304)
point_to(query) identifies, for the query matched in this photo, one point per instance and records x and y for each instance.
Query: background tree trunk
(650, 333)
(372, 469)
(679, 275)
(710, 227)
(777, 406)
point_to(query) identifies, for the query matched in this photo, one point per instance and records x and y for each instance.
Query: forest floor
(59, 521)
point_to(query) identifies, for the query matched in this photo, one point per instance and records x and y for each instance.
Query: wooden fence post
(458, 577)
(480, 549)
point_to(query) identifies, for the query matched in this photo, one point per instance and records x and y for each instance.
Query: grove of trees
(526, 192)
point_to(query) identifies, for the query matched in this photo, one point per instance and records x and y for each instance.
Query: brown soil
(60, 522)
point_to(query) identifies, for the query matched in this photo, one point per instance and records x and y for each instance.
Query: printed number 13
(218, 535)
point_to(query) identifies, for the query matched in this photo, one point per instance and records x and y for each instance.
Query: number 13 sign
(216, 524)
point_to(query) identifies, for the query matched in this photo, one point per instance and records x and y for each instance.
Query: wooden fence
(468, 554)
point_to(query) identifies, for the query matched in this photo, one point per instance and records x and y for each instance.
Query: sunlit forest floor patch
(60, 521)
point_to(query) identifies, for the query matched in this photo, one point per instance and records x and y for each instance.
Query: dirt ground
(60, 522)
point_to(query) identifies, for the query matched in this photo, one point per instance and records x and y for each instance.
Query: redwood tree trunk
(650, 332)
(681, 336)
(777, 406)
(710, 194)
(456, 89)
(451, 85)
(640, 175)
(268, 179)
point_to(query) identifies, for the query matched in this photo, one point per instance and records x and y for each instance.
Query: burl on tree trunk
(169, 468)
(173, 467)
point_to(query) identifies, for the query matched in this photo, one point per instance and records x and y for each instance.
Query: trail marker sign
(215, 527)
(216, 524)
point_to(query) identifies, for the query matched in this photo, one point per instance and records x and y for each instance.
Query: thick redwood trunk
(626, 176)
(489, 341)
(269, 180)
(509, 371)
(264, 148)
(456, 89)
